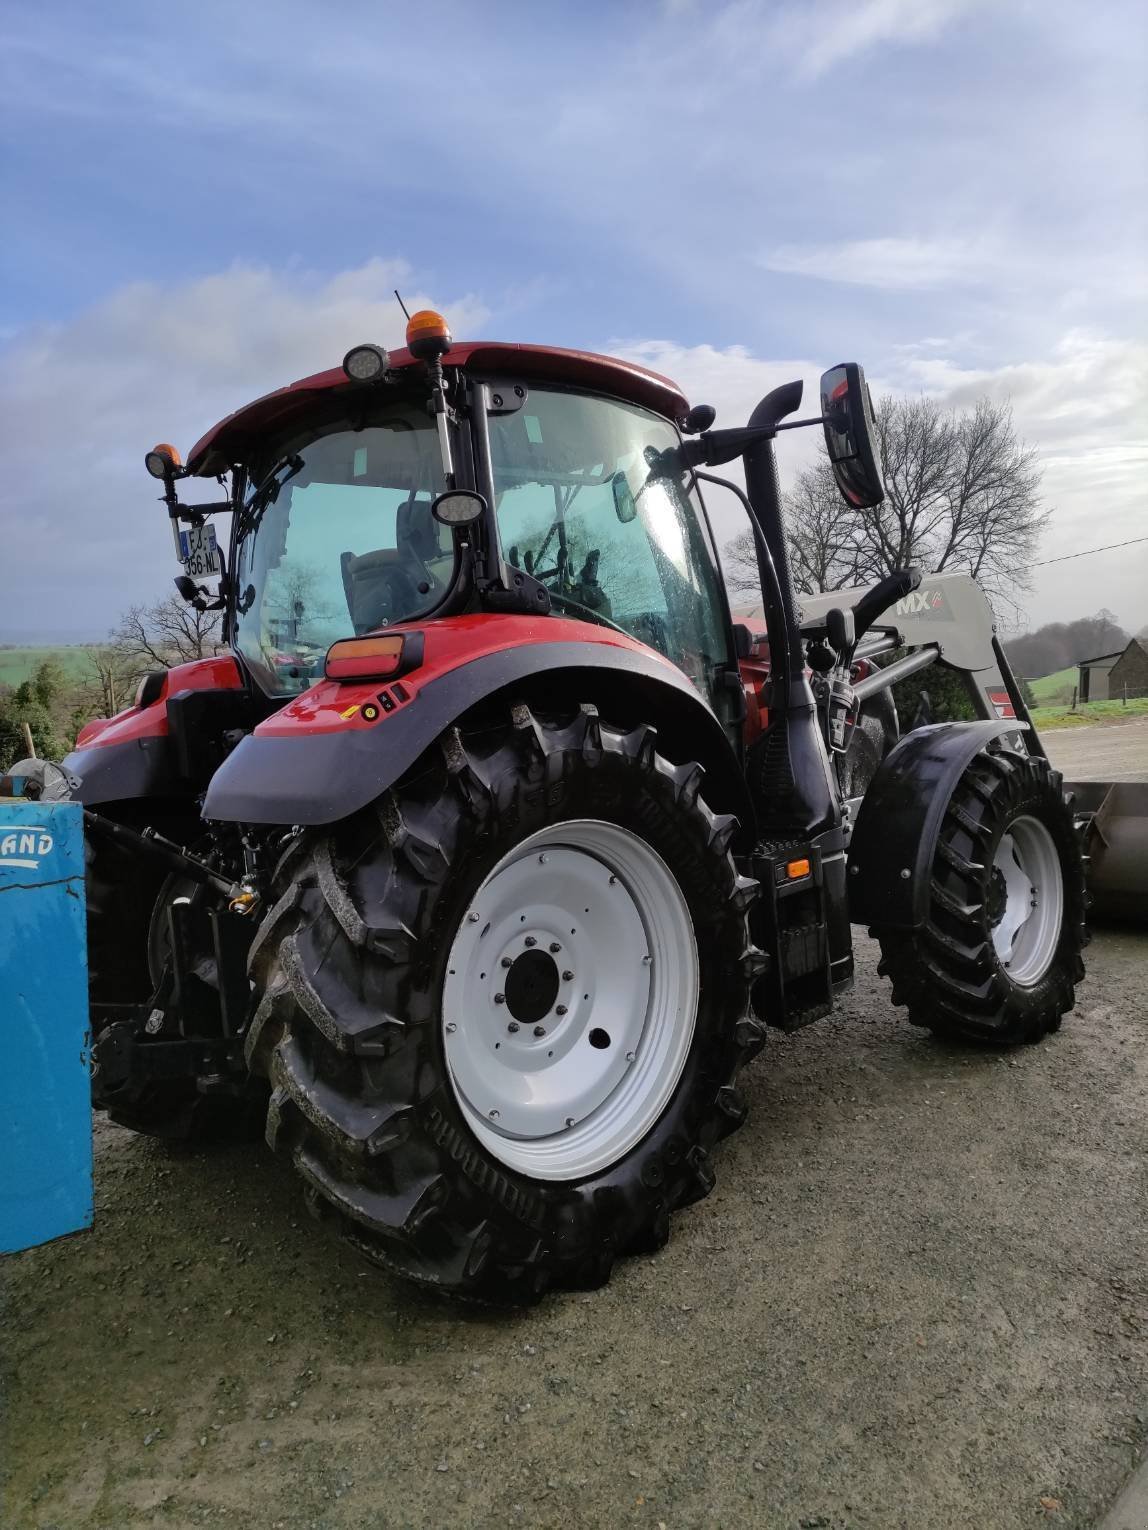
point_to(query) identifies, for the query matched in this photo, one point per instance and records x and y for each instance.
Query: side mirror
(850, 434)
(625, 505)
(458, 507)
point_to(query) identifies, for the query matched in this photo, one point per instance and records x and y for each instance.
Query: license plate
(199, 551)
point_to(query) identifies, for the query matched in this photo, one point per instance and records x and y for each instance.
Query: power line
(1068, 557)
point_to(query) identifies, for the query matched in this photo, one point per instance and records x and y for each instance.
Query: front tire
(409, 967)
(998, 957)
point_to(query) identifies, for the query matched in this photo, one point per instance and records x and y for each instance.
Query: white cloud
(821, 35)
(80, 403)
(1081, 406)
(894, 264)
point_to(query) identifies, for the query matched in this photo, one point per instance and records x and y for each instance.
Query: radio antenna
(403, 306)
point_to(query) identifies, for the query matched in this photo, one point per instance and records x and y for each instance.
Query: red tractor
(477, 870)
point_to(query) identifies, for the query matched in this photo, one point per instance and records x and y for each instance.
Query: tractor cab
(448, 479)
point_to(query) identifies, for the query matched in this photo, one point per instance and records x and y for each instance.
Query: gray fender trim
(138, 767)
(896, 834)
(321, 778)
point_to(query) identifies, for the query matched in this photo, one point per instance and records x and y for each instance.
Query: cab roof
(235, 437)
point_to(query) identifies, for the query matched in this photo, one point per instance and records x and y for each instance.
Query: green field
(1053, 688)
(1095, 711)
(19, 664)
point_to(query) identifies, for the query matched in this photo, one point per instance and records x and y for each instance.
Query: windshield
(347, 544)
(578, 508)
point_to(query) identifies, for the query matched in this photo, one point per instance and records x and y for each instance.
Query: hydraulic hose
(160, 849)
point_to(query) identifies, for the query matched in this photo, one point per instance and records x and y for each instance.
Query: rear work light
(383, 657)
(366, 363)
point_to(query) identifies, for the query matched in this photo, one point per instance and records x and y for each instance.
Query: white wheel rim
(1030, 889)
(590, 899)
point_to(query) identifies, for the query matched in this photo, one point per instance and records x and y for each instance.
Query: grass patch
(20, 664)
(1095, 711)
(1052, 690)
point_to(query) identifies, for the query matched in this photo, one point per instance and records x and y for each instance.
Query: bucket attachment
(1115, 819)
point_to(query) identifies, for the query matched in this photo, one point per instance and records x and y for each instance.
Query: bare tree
(739, 564)
(164, 633)
(111, 675)
(962, 492)
(827, 546)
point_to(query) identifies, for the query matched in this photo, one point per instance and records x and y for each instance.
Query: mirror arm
(817, 419)
(716, 447)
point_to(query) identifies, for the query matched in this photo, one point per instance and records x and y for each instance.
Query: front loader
(474, 872)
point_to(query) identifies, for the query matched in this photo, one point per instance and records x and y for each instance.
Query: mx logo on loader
(923, 603)
(24, 847)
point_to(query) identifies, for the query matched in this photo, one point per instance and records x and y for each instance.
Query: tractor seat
(384, 586)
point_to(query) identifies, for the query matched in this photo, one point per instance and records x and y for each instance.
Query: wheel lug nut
(500, 998)
(451, 1028)
(540, 1030)
(560, 1010)
(555, 947)
(493, 1114)
(530, 940)
(506, 961)
(567, 975)
(512, 1027)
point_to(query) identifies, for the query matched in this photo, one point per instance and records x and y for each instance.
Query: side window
(580, 508)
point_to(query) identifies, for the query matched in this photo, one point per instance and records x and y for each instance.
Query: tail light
(384, 656)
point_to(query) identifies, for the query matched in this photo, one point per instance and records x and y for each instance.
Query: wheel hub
(569, 1001)
(531, 987)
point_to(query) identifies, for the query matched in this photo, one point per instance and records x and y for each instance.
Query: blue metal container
(45, 1100)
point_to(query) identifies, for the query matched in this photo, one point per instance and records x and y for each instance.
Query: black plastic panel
(900, 819)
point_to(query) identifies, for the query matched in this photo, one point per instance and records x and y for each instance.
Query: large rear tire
(998, 957)
(424, 1037)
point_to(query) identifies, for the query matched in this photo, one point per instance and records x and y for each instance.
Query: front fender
(891, 851)
(319, 760)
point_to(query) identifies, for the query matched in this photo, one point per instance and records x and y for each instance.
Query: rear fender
(893, 843)
(338, 747)
(134, 753)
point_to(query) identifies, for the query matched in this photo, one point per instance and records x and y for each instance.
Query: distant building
(1129, 675)
(1108, 675)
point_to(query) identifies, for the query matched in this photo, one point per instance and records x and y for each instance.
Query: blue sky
(204, 201)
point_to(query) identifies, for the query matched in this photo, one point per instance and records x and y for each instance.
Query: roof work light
(366, 363)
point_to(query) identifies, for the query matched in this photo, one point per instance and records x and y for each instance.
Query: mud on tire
(350, 964)
(948, 973)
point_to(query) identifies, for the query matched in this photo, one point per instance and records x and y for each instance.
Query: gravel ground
(918, 1297)
(1117, 751)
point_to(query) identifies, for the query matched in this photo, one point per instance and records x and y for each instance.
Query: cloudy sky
(203, 201)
